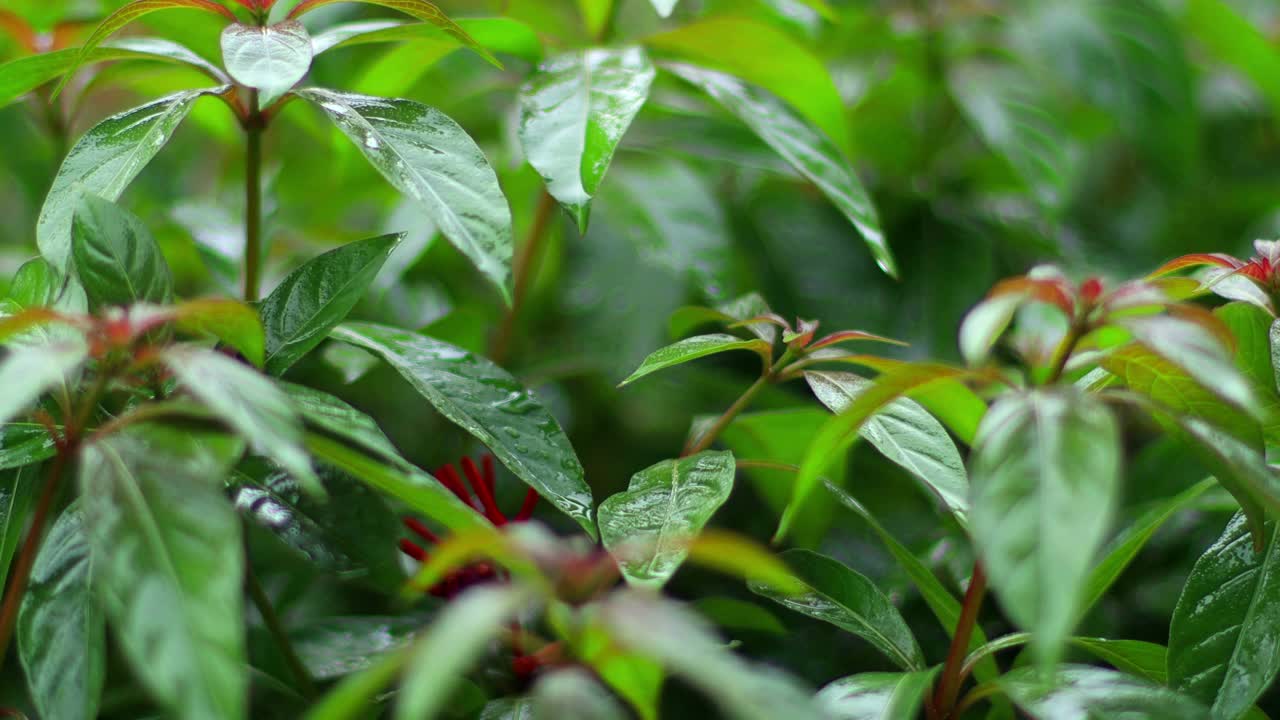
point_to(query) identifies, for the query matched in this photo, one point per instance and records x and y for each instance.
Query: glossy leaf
(1241, 468)
(1082, 693)
(452, 644)
(649, 525)
(420, 9)
(270, 59)
(314, 298)
(845, 598)
(1143, 659)
(517, 708)
(433, 161)
(18, 489)
(35, 285)
(334, 647)
(903, 432)
(812, 155)
(484, 400)
(103, 162)
(333, 416)
(574, 694)
(167, 559)
(61, 633)
(1223, 644)
(424, 494)
(229, 321)
(877, 696)
(1199, 352)
(574, 112)
(1045, 473)
(23, 443)
(497, 34)
(126, 14)
(116, 259)
(27, 371)
(696, 347)
(357, 693)
(595, 15)
(249, 403)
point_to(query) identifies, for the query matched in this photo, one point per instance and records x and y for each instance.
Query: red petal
(526, 509)
(482, 491)
(421, 530)
(413, 550)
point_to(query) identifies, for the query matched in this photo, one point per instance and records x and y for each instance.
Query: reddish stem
(944, 698)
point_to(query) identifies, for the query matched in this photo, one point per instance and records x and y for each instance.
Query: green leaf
(270, 59)
(877, 696)
(104, 161)
(314, 298)
(1230, 37)
(17, 493)
(1241, 468)
(1148, 373)
(845, 598)
(1250, 326)
(1045, 472)
(1195, 349)
(573, 113)
(452, 644)
(517, 708)
(903, 432)
(696, 347)
(649, 525)
(1125, 547)
(249, 403)
(23, 444)
(27, 371)
(335, 417)
(841, 431)
(737, 615)
(358, 693)
(116, 259)
(498, 34)
(61, 633)
(1143, 659)
(420, 492)
(683, 642)
(484, 400)
(352, 534)
(420, 9)
(800, 144)
(167, 560)
(433, 161)
(1223, 644)
(764, 56)
(1080, 692)
(22, 75)
(985, 323)
(574, 694)
(636, 678)
(123, 16)
(229, 321)
(35, 285)
(595, 15)
(333, 647)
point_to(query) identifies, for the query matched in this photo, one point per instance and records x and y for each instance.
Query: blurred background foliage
(1102, 135)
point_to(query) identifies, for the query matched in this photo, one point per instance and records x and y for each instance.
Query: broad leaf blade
(432, 160)
(18, 489)
(649, 525)
(335, 417)
(116, 259)
(27, 371)
(420, 9)
(313, 299)
(487, 402)
(845, 598)
(805, 148)
(61, 634)
(574, 694)
(1045, 475)
(574, 112)
(877, 696)
(696, 347)
(271, 59)
(1078, 692)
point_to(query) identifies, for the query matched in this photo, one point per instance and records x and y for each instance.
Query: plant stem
(278, 634)
(704, 440)
(253, 126)
(944, 698)
(27, 555)
(530, 250)
(1062, 353)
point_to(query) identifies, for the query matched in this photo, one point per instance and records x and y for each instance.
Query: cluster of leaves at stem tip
(144, 437)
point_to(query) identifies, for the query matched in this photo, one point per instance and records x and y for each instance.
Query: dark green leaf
(487, 402)
(812, 155)
(1223, 644)
(23, 444)
(358, 693)
(18, 490)
(696, 347)
(1199, 352)
(271, 59)
(903, 432)
(115, 257)
(61, 635)
(1230, 36)
(433, 161)
(877, 696)
(338, 646)
(167, 560)
(1083, 693)
(574, 112)
(845, 598)
(333, 416)
(1143, 659)
(1045, 475)
(313, 299)
(648, 526)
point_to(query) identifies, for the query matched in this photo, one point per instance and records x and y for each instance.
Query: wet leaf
(696, 347)
(270, 59)
(1082, 693)
(433, 161)
(420, 9)
(61, 633)
(229, 321)
(27, 371)
(314, 298)
(484, 400)
(24, 443)
(333, 647)
(335, 417)
(649, 525)
(841, 596)
(574, 694)
(1199, 352)
(18, 489)
(1045, 472)
(1143, 659)
(877, 696)
(116, 259)
(573, 113)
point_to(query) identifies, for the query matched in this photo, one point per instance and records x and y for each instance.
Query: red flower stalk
(481, 497)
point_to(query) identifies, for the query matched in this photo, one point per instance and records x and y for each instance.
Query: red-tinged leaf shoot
(842, 336)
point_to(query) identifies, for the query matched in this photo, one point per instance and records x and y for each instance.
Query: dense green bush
(270, 260)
